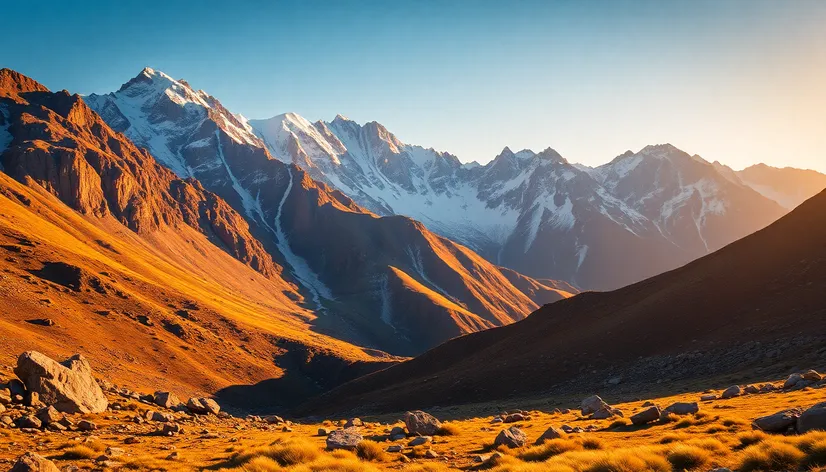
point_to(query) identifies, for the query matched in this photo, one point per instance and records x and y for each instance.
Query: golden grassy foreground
(720, 435)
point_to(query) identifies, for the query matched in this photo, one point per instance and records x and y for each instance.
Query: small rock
(591, 405)
(605, 413)
(731, 392)
(394, 448)
(353, 423)
(86, 425)
(28, 421)
(161, 417)
(811, 376)
(131, 440)
(751, 389)
(792, 380)
(683, 408)
(31, 462)
(812, 419)
(171, 429)
(511, 437)
(779, 422)
(173, 457)
(397, 433)
(323, 431)
(648, 415)
(419, 440)
(421, 423)
(431, 454)
(49, 415)
(166, 399)
(343, 439)
(550, 433)
(708, 397)
(203, 406)
(513, 418)
(273, 419)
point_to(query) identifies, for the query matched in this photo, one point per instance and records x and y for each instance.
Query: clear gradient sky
(735, 81)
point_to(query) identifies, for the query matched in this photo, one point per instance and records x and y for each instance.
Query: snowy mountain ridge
(536, 213)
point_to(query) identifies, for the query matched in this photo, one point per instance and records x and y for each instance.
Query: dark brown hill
(759, 301)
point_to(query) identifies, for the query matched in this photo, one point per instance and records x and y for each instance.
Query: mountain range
(597, 228)
(174, 241)
(755, 304)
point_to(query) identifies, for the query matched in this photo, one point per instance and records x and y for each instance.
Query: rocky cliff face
(59, 143)
(347, 261)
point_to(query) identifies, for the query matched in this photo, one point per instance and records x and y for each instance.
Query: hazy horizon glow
(736, 81)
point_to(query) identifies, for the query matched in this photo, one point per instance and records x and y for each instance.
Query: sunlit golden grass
(80, 452)
(448, 429)
(287, 453)
(686, 457)
(770, 455)
(372, 451)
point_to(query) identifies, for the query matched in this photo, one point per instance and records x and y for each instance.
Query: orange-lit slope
(156, 280)
(700, 320)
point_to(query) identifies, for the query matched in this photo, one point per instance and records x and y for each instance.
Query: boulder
(731, 392)
(273, 419)
(591, 405)
(683, 408)
(751, 389)
(31, 462)
(792, 380)
(353, 423)
(514, 417)
(344, 439)
(511, 437)
(649, 415)
(161, 417)
(779, 422)
(86, 425)
(812, 419)
(28, 421)
(550, 433)
(419, 440)
(49, 415)
(605, 413)
(166, 399)
(421, 423)
(69, 386)
(203, 406)
(171, 429)
(397, 433)
(811, 376)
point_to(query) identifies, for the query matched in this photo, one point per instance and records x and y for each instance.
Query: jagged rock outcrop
(69, 387)
(61, 144)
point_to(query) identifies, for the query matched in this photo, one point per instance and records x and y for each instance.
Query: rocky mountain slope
(640, 215)
(159, 282)
(754, 303)
(387, 283)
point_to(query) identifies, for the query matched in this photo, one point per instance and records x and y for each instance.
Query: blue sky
(735, 81)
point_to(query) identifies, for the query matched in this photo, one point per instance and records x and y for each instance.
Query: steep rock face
(59, 143)
(341, 255)
(534, 212)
